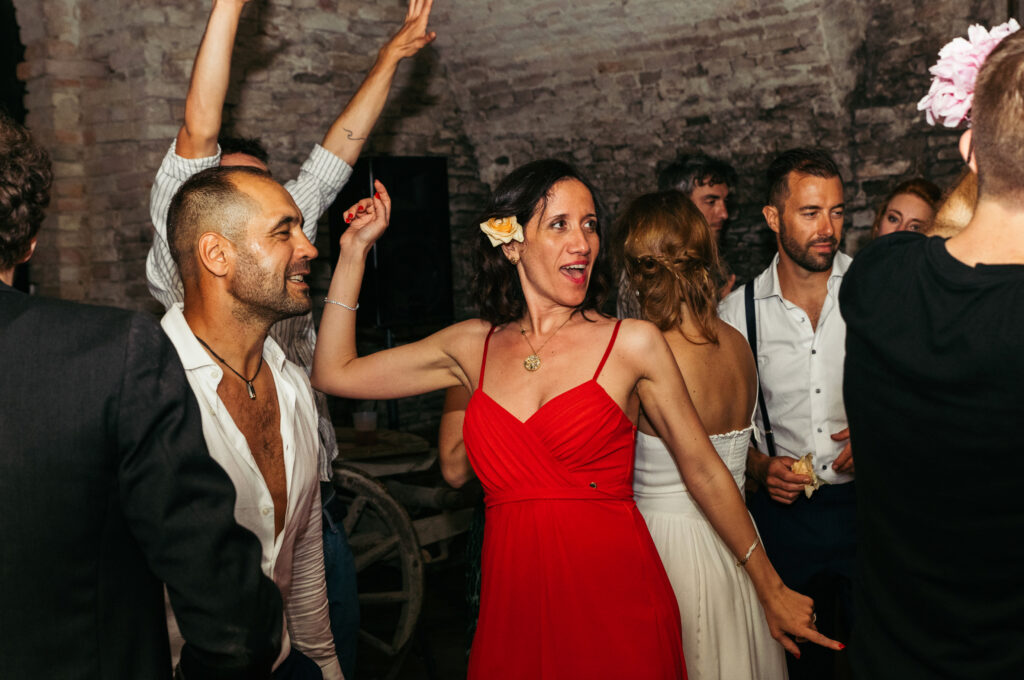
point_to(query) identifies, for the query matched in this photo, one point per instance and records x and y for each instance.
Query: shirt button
(819, 429)
(824, 467)
(593, 485)
(265, 511)
(213, 374)
(817, 390)
(814, 351)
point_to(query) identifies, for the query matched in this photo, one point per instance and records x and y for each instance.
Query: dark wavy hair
(670, 259)
(524, 193)
(25, 177)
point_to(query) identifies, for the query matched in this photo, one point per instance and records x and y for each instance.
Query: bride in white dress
(669, 257)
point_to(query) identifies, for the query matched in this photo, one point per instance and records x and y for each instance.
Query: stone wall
(620, 88)
(623, 88)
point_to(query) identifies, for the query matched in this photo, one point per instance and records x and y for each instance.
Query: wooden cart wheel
(388, 565)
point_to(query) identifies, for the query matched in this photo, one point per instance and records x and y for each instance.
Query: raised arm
(211, 73)
(348, 133)
(419, 367)
(667, 405)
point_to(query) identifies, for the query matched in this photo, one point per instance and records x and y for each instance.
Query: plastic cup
(365, 424)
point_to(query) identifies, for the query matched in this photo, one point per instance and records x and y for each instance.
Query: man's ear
(771, 216)
(28, 255)
(967, 149)
(215, 253)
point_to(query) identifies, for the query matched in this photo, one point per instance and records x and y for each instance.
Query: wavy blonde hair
(957, 207)
(670, 257)
(917, 186)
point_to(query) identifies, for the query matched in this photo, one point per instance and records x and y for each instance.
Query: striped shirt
(320, 179)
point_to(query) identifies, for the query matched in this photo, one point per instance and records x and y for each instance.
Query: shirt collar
(767, 284)
(191, 352)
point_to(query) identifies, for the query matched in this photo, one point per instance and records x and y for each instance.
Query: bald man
(236, 237)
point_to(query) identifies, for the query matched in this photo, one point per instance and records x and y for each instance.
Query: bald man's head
(209, 201)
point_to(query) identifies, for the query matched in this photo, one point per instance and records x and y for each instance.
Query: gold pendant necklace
(532, 362)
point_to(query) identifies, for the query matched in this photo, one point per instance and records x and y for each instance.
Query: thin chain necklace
(532, 362)
(248, 381)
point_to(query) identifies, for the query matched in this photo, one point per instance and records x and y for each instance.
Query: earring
(514, 259)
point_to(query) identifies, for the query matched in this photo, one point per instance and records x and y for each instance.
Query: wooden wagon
(394, 527)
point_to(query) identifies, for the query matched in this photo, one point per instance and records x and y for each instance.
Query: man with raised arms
(107, 489)
(320, 179)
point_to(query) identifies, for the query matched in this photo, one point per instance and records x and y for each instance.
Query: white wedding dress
(725, 634)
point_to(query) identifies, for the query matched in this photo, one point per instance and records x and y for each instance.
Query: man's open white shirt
(320, 179)
(800, 368)
(294, 559)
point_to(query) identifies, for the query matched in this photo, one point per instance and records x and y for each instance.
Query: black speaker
(408, 278)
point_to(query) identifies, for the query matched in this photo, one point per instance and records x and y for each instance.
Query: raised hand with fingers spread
(413, 35)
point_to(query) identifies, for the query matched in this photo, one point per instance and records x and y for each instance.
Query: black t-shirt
(934, 392)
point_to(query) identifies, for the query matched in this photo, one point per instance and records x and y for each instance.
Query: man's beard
(262, 294)
(802, 254)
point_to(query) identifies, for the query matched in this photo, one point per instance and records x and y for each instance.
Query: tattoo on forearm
(352, 135)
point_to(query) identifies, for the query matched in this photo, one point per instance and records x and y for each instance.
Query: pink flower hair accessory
(952, 91)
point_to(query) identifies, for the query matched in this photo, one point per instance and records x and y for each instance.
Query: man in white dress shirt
(236, 237)
(800, 348)
(321, 177)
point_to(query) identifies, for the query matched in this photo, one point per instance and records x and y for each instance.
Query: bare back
(721, 379)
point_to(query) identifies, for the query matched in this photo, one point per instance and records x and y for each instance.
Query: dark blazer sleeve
(179, 505)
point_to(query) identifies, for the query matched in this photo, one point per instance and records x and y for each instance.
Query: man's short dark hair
(693, 170)
(25, 177)
(207, 201)
(250, 146)
(997, 116)
(816, 162)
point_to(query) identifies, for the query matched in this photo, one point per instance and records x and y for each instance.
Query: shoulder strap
(483, 362)
(748, 299)
(608, 351)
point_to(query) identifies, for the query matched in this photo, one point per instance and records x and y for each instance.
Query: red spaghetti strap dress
(572, 585)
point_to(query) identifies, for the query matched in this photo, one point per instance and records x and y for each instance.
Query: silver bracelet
(342, 304)
(750, 551)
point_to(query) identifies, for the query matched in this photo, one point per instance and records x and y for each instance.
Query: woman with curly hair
(572, 584)
(670, 259)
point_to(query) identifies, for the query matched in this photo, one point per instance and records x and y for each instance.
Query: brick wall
(622, 88)
(618, 88)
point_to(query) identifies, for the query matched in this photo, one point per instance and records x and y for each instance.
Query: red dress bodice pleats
(572, 585)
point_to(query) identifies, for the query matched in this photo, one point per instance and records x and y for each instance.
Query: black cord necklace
(248, 382)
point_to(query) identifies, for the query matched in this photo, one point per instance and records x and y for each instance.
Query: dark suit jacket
(107, 490)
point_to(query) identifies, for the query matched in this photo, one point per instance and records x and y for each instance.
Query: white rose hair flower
(952, 91)
(502, 230)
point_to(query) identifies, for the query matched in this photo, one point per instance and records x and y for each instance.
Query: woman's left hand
(367, 219)
(790, 613)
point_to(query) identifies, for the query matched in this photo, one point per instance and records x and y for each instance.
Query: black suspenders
(748, 299)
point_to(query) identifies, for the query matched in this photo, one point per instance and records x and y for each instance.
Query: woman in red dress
(572, 585)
